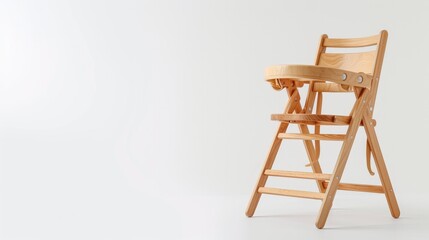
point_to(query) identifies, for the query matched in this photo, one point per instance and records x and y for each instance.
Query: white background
(150, 119)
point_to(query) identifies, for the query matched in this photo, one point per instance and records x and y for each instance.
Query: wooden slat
(358, 187)
(303, 117)
(291, 193)
(311, 118)
(330, 87)
(355, 62)
(351, 42)
(292, 174)
(326, 137)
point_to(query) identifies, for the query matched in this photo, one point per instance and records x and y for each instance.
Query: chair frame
(327, 79)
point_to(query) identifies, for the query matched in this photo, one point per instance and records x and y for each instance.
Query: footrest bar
(293, 174)
(291, 193)
(358, 187)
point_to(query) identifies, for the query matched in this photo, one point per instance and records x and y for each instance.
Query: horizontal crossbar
(312, 117)
(315, 119)
(293, 174)
(328, 137)
(358, 187)
(291, 193)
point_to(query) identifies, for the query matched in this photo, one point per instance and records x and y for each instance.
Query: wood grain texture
(351, 42)
(294, 174)
(312, 118)
(290, 108)
(291, 193)
(342, 159)
(331, 87)
(317, 73)
(327, 75)
(355, 62)
(358, 187)
(300, 136)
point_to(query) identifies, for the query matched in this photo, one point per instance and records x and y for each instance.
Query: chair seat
(314, 119)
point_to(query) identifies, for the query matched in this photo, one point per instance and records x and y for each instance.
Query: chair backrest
(369, 62)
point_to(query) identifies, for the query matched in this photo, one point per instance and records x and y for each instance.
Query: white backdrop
(111, 108)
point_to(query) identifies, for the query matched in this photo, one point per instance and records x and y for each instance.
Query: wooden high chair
(357, 73)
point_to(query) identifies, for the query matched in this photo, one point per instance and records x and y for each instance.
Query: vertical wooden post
(381, 166)
(290, 108)
(342, 159)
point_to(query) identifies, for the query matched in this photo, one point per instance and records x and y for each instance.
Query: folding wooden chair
(358, 73)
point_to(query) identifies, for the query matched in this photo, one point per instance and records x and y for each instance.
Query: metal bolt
(343, 76)
(359, 79)
(370, 109)
(309, 109)
(337, 177)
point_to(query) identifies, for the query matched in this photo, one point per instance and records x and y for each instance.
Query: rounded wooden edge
(316, 73)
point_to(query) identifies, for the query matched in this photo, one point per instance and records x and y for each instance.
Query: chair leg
(335, 179)
(268, 164)
(358, 110)
(381, 167)
(290, 108)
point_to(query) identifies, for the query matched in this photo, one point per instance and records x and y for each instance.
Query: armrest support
(315, 73)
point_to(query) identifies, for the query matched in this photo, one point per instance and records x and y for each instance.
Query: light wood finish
(358, 187)
(351, 42)
(311, 72)
(291, 193)
(342, 159)
(293, 174)
(280, 84)
(326, 137)
(317, 119)
(355, 62)
(290, 107)
(331, 87)
(312, 118)
(368, 158)
(327, 76)
(381, 168)
(310, 150)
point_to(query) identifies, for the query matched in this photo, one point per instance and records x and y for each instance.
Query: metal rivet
(337, 177)
(309, 109)
(343, 76)
(370, 109)
(359, 79)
